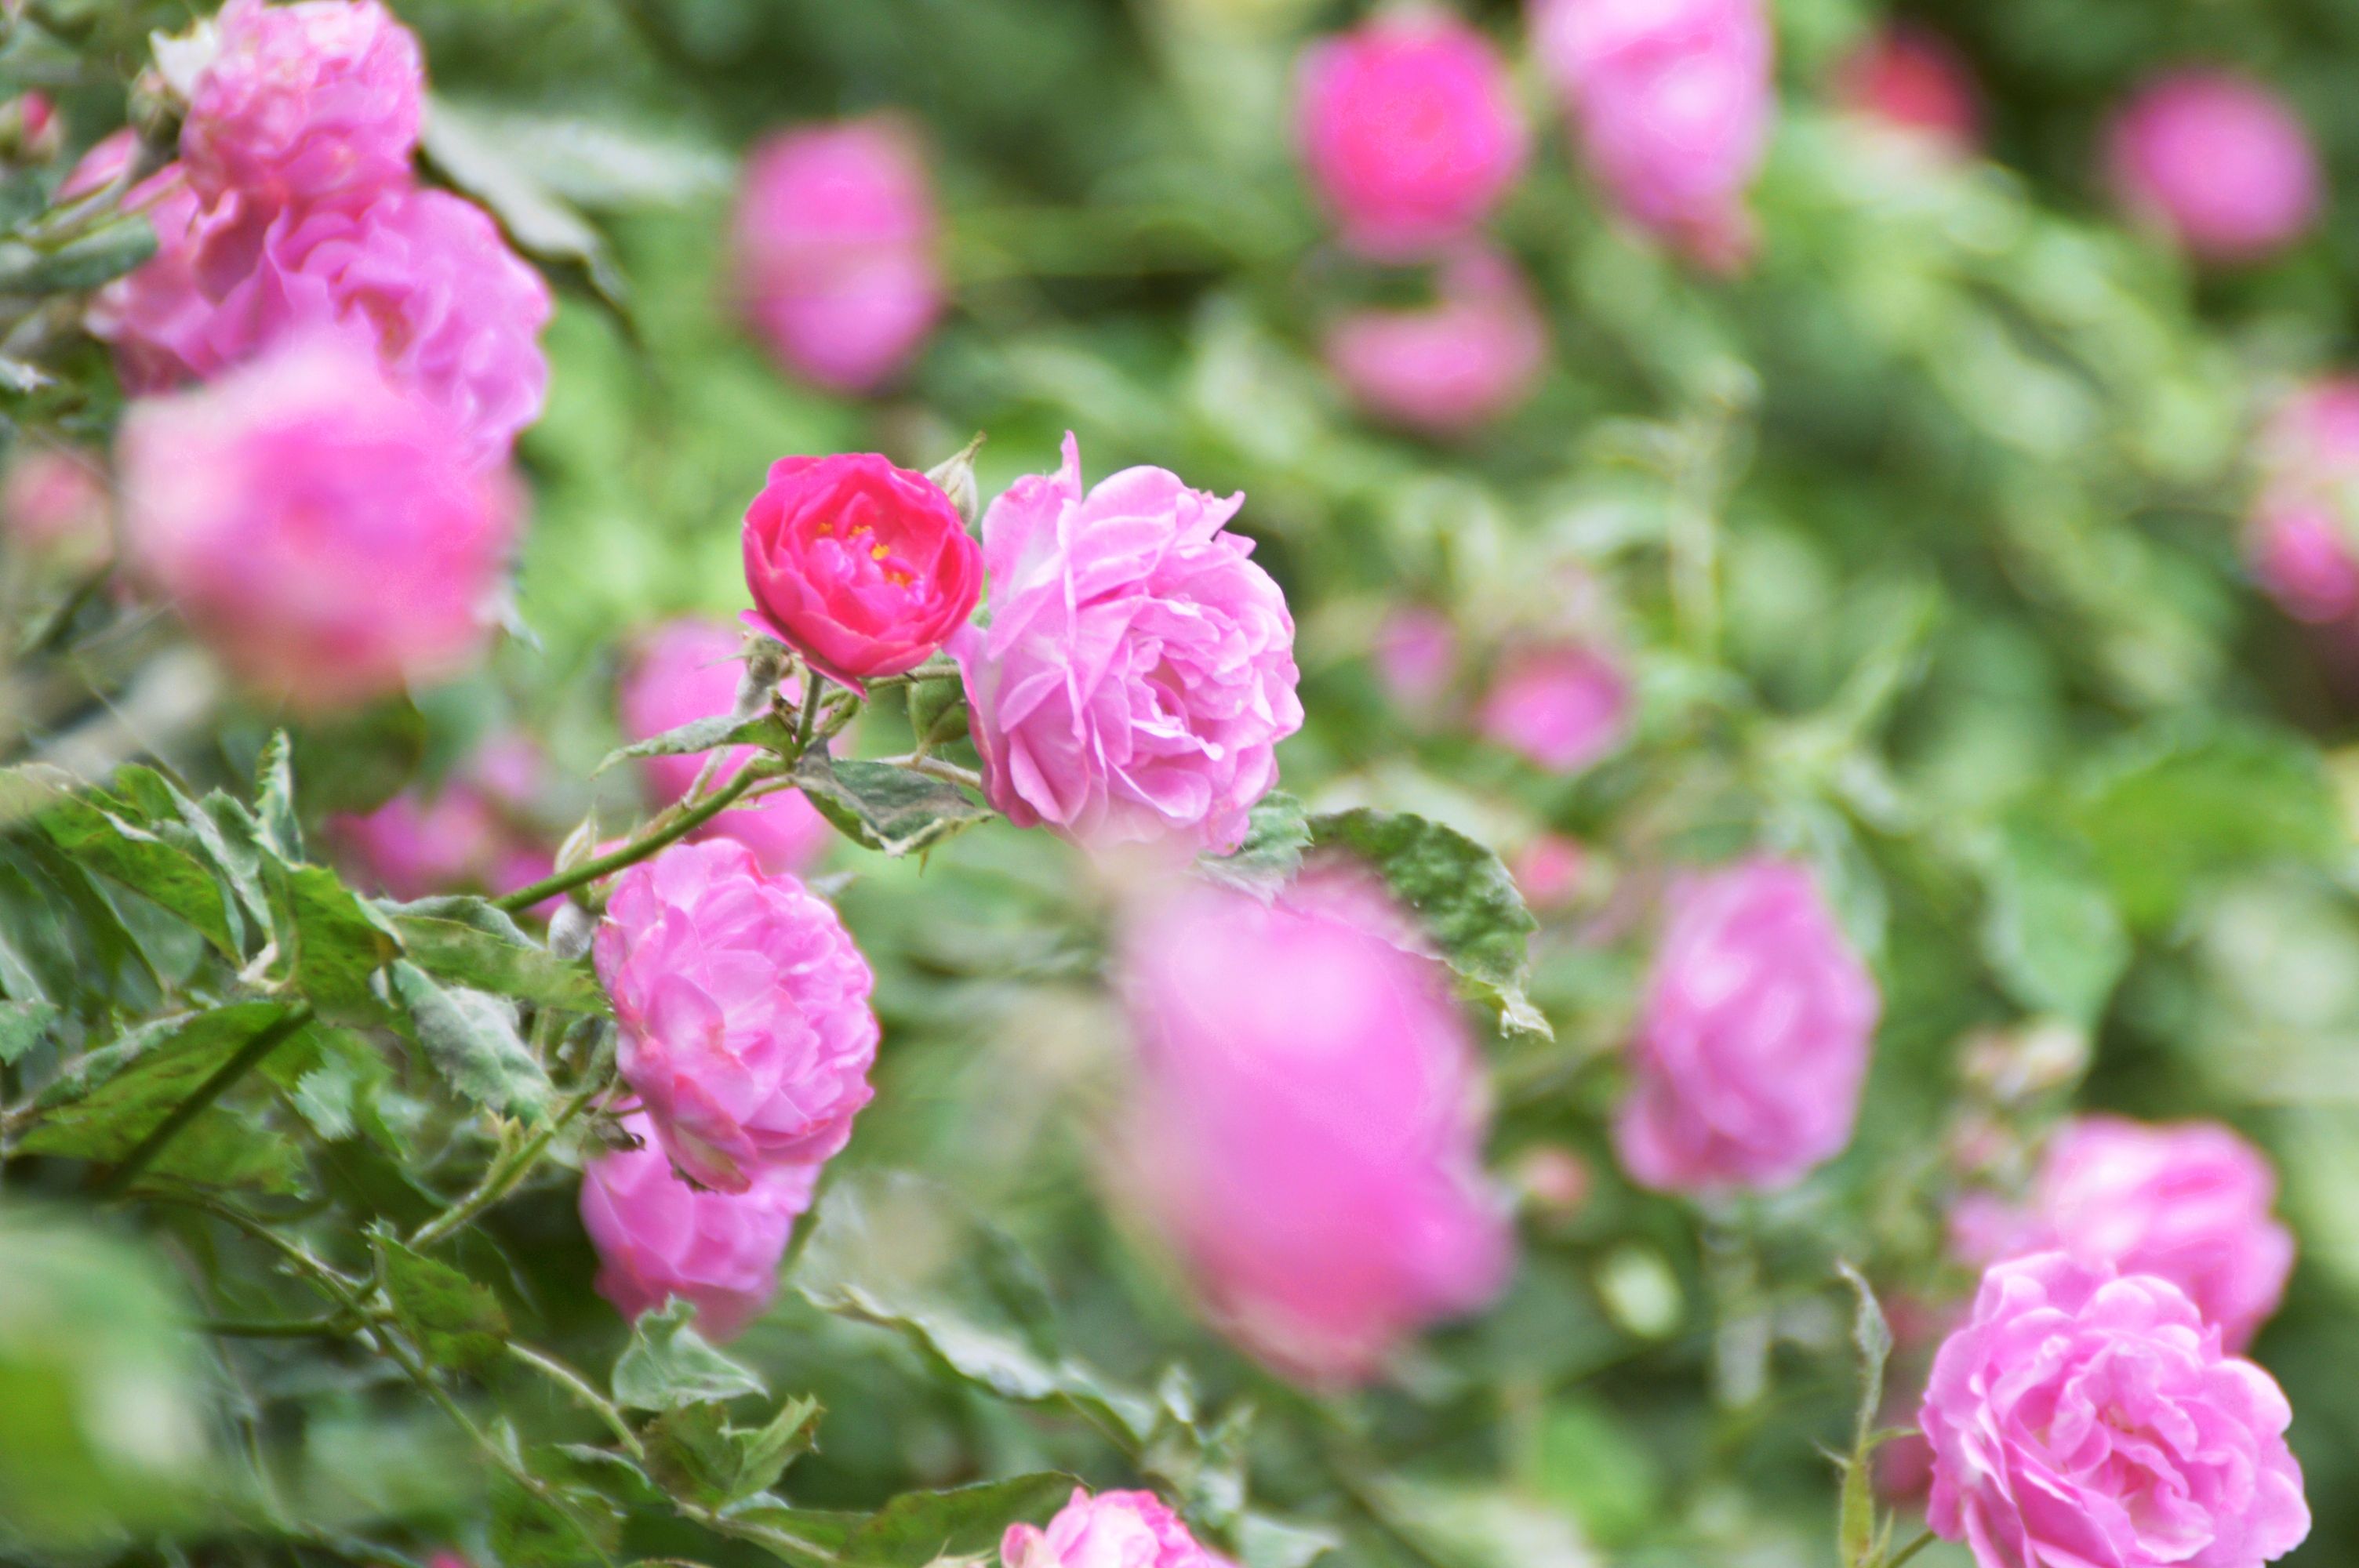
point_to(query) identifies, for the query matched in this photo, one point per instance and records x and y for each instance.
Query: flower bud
(2218, 162)
(31, 131)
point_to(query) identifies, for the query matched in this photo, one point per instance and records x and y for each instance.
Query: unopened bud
(569, 930)
(30, 129)
(938, 712)
(955, 476)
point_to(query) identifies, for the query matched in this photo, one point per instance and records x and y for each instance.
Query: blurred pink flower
(414, 846)
(1410, 131)
(1562, 705)
(658, 1238)
(1673, 100)
(109, 159)
(1111, 1530)
(1914, 80)
(2296, 540)
(744, 1006)
(1306, 1129)
(315, 101)
(1751, 1045)
(1417, 655)
(54, 502)
(1138, 671)
(1452, 365)
(2187, 1201)
(31, 131)
(421, 276)
(2218, 161)
(837, 262)
(2084, 1417)
(1548, 870)
(687, 670)
(319, 528)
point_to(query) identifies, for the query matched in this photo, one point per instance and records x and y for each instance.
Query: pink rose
(1305, 1129)
(54, 502)
(2187, 1202)
(863, 568)
(1548, 870)
(474, 832)
(1752, 1043)
(1451, 366)
(744, 1006)
(1408, 130)
(1561, 705)
(658, 1236)
(2299, 555)
(1914, 80)
(2296, 540)
(314, 102)
(2218, 162)
(1138, 671)
(687, 670)
(837, 262)
(1112, 1529)
(1417, 656)
(321, 529)
(422, 275)
(1673, 100)
(2085, 1417)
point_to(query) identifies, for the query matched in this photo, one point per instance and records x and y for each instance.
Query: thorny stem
(574, 1383)
(504, 1176)
(1924, 1540)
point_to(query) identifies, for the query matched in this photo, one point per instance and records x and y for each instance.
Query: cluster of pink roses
(334, 515)
(477, 830)
(1559, 699)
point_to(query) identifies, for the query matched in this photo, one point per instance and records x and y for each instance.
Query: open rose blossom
(2188, 1202)
(687, 670)
(863, 568)
(744, 1006)
(1562, 705)
(1306, 1127)
(2297, 538)
(1751, 1045)
(1410, 131)
(1451, 366)
(1914, 80)
(2217, 161)
(1111, 1530)
(1138, 671)
(836, 251)
(2083, 1417)
(315, 101)
(658, 1236)
(321, 529)
(1673, 101)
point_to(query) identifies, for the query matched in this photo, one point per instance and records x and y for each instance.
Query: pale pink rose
(1408, 130)
(2084, 1417)
(1548, 870)
(1912, 79)
(414, 846)
(2299, 555)
(2217, 161)
(2187, 1201)
(54, 502)
(1562, 705)
(1306, 1129)
(687, 670)
(315, 101)
(321, 529)
(1673, 101)
(1111, 1530)
(746, 1031)
(2297, 542)
(1752, 1047)
(423, 276)
(1451, 366)
(1138, 671)
(658, 1238)
(837, 250)
(1417, 655)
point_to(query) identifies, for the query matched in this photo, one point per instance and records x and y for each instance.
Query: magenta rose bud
(1306, 1127)
(746, 1031)
(1753, 1041)
(316, 101)
(2084, 1416)
(2218, 162)
(1562, 707)
(687, 670)
(1912, 79)
(863, 568)
(1451, 366)
(836, 251)
(321, 529)
(1673, 102)
(1111, 1530)
(658, 1238)
(1138, 671)
(1408, 130)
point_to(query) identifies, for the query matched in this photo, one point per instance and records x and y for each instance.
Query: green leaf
(473, 949)
(456, 1321)
(1264, 1542)
(273, 798)
(1472, 1525)
(695, 1453)
(2052, 935)
(100, 833)
(472, 157)
(1591, 1464)
(527, 1532)
(913, 1530)
(763, 729)
(1462, 896)
(359, 761)
(23, 1025)
(331, 940)
(881, 807)
(668, 1366)
(1275, 836)
(937, 713)
(1872, 1337)
(100, 257)
(472, 1039)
